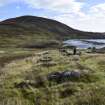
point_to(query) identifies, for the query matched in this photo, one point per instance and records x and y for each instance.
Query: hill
(32, 31)
(48, 76)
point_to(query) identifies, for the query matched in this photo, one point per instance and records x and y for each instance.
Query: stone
(22, 85)
(59, 76)
(75, 74)
(54, 76)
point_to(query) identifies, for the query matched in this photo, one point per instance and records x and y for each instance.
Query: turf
(20, 66)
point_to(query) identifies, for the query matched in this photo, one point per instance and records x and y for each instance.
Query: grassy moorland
(23, 78)
(32, 31)
(46, 75)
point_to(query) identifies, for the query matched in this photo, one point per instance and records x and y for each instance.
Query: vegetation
(23, 80)
(31, 31)
(34, 71)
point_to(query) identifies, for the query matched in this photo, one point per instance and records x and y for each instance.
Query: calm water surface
(86, 43)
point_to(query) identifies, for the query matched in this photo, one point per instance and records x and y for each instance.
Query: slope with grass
(31, 31)
(24, 72)
(23, 81)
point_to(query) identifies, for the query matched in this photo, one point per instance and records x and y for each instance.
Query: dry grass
(22, 68)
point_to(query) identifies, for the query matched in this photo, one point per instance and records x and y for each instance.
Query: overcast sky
(87, 15)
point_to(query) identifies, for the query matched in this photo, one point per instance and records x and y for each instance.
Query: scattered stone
(25, 84)
(46, 59)
(70, 75)
(75, 74)
(42, 53)
(49, 64)
(54, 76)
(22, 85)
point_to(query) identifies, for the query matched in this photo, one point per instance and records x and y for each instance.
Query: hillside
(48, 76)
(31, 31)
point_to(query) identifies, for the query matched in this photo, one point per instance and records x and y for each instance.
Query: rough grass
(21, 67)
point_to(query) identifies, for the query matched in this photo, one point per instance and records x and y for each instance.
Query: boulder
(59, 76)
(76, 74)
(54, 76)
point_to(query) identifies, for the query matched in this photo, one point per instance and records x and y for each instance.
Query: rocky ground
(51, 77)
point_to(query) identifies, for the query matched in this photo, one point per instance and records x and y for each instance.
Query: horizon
(54, 20)
(84, 15)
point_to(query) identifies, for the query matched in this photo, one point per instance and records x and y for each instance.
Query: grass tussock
(24, 79)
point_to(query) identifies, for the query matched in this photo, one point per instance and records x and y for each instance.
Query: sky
(86, 15)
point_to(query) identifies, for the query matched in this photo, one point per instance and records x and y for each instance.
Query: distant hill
(32, 31)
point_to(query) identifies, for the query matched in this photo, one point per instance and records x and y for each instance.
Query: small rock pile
(66, 75)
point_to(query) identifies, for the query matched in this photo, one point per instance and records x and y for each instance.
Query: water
(86, 43)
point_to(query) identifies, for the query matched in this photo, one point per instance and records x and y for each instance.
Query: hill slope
(31, 31)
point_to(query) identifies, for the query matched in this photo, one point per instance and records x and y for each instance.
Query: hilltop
(48, 76)
(32, 31)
